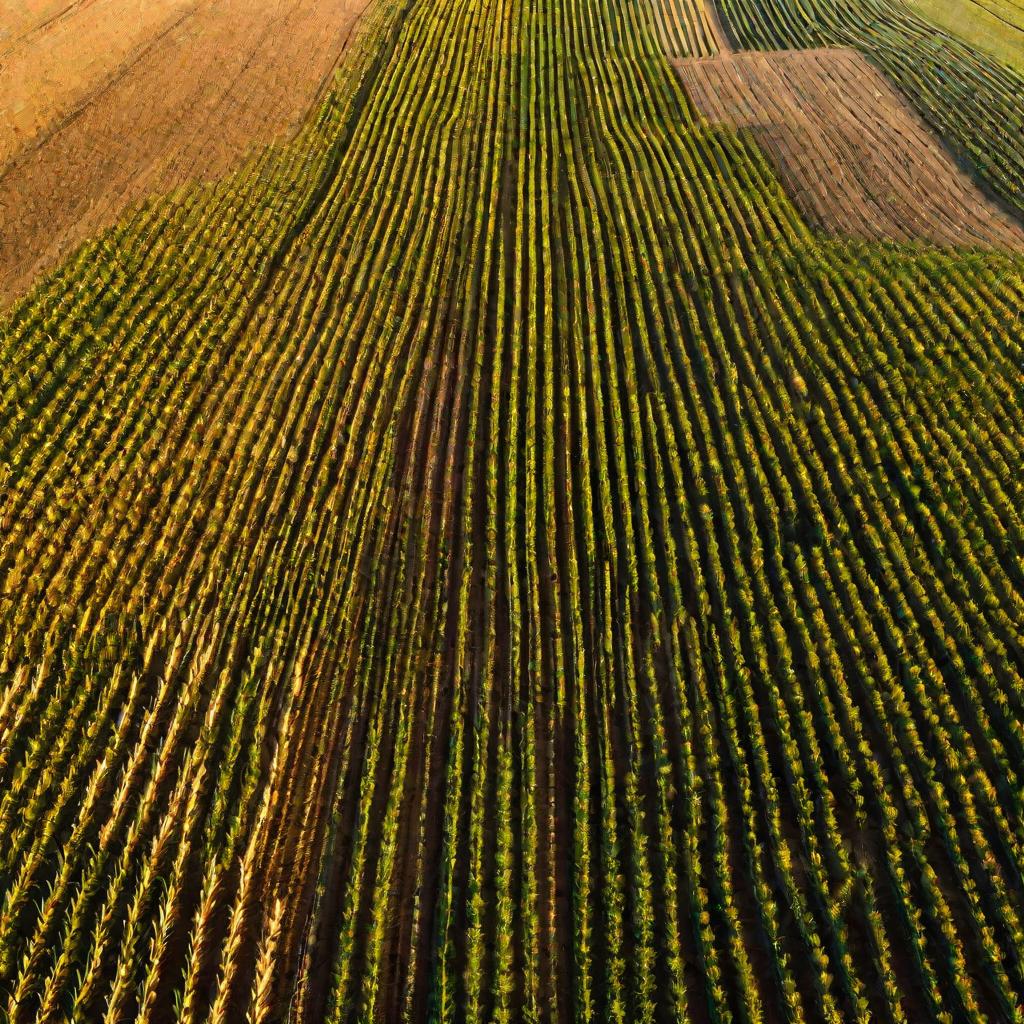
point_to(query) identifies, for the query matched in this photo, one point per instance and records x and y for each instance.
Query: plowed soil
(103, 102)
(852, 154)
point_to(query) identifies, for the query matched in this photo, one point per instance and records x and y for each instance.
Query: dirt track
(103, 102)
(852, 154)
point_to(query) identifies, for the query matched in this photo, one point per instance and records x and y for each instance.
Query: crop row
(489, 560)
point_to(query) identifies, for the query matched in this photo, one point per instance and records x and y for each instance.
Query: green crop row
(488, 560)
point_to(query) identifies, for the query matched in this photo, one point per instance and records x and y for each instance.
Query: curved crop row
(489, 560)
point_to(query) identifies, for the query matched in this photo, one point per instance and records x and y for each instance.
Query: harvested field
(971, 100)
(106, 102)
(54, 64)
(856, 159)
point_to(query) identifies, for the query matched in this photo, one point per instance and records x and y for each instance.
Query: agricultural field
(993, 25)
(483, 539)
(104, 103)
(856, 160)
(971, 99)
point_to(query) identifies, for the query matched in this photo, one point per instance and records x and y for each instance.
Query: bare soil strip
(19, 18)
(104, 103)
(59, 64)
(851, 153)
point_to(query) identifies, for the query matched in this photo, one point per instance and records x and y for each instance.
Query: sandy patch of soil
(105, 102)
(60, 61)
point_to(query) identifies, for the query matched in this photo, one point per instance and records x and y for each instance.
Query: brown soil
(852, 154)
(53, 63)
(104, 102)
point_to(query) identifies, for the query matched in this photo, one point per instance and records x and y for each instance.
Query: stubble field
(108, 102)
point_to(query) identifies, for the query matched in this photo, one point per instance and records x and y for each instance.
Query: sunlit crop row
(489, 560)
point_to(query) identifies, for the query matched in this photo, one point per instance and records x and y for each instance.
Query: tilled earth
(852, 154)
(104, 102)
